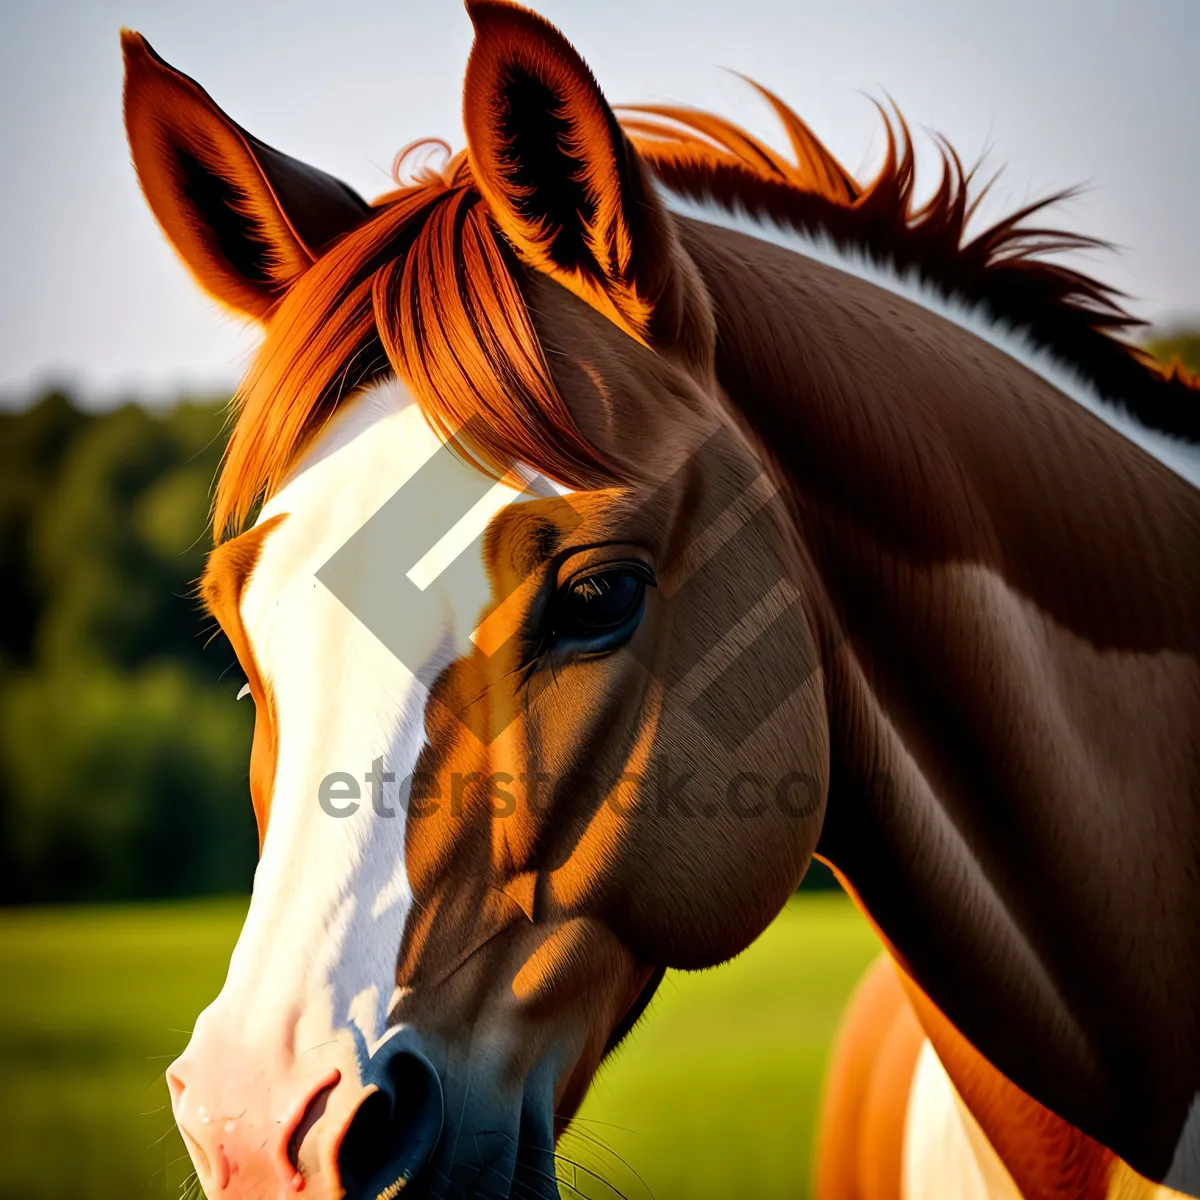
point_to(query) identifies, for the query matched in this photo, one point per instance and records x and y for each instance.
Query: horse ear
(246, 219)
(561, 180)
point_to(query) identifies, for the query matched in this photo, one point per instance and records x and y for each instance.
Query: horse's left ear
(247, 219)
(560, 178)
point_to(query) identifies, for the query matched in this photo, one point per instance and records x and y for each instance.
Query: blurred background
(127, 843)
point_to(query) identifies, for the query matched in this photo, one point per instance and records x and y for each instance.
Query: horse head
(535, 662)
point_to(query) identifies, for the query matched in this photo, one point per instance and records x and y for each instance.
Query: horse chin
(492, 1166)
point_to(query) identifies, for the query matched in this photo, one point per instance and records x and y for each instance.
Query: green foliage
(123, 756)
(126, 783)
(1182, 347)
(32, 446)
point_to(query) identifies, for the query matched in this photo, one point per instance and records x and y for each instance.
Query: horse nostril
(394, 1132)
(313, 1112)
(175, 1086)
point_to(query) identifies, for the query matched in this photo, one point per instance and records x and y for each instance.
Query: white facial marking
(1182, 457)
(331, 894)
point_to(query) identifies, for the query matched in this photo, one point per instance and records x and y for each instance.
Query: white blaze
(331, 894)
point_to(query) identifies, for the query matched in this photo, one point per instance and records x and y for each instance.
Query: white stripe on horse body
(945, 1152)
(316, 960)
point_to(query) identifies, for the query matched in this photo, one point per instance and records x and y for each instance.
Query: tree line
(123, 755)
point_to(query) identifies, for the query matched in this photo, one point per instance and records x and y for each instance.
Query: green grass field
(713, 1095)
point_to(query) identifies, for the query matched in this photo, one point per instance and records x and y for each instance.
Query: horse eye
(603, 607)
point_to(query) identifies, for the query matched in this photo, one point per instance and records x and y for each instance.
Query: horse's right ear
(246, 219)
(564, 184)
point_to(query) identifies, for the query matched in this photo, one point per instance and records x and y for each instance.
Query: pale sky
(1097, 92)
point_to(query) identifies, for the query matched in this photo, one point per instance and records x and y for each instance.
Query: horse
(619, 514)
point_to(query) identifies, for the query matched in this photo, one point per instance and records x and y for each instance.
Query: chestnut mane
(428, 287)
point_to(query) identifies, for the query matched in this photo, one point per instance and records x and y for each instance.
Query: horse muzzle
(273, 1126)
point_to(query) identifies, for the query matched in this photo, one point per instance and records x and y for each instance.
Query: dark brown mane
(428, 287)
(1003, 270)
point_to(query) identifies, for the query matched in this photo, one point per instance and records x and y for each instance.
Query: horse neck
(1010, 594)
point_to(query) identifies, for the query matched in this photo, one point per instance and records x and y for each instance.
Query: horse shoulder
(912, 1111)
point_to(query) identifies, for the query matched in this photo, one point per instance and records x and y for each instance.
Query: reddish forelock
(426, 288)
